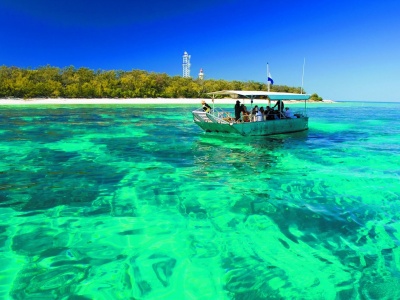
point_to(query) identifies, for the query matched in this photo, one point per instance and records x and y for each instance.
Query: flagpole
(268, 83)
(302, 77)
(302, 83)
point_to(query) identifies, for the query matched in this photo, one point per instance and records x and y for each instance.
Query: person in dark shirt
(206, 107)
(238, 110)
(280, 105)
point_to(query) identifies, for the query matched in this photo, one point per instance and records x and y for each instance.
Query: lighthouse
(201, 74)
(186, 65)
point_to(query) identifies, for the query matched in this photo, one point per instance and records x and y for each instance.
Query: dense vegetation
(53, 82)
(315, 97)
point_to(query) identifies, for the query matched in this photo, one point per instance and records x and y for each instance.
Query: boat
(221, 121)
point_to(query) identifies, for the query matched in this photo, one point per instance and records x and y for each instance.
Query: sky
(351, 49)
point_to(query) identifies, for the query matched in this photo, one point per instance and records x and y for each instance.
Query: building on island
(201, 74)
(186, 65)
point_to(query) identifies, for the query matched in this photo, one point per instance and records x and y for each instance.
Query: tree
(315, 97)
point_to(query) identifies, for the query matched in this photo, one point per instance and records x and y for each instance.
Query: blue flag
(270, 78)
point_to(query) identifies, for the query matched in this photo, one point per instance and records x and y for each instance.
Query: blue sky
(351, 48)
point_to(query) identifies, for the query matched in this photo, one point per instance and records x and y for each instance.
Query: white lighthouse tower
(201, 74)
(186, 64)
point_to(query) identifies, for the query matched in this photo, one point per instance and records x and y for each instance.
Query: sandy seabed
(132, 101)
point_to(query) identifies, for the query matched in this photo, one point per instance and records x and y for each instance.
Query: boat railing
(222, 114)
(216, 115)
(199, 115)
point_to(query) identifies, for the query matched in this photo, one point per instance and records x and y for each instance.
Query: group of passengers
(260, 114)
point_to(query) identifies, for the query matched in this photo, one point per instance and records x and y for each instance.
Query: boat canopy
(256, 94)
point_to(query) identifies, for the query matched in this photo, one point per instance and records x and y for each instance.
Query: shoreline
(137, 101)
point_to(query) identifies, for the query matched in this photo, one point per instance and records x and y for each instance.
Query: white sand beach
(133, 101)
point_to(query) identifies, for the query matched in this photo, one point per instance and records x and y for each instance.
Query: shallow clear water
(124, 202)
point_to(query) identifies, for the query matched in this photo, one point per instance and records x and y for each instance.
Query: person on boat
(280, 105)
(245, 113)
(269, 113)
(276, 114)
(206, 107)
(259, 115)
(254, 112)
(289, 114)
(262, 110)
(238, 110)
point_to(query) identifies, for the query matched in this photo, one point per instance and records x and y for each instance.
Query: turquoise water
(125, 202)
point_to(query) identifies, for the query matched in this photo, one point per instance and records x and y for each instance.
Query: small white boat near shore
(219, 120)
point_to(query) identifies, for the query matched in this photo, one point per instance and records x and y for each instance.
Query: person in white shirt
(289, 114)
(255, 113)
(259, 116)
